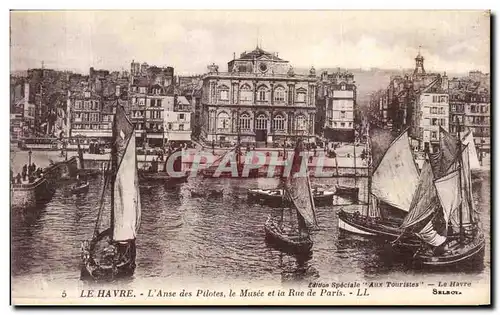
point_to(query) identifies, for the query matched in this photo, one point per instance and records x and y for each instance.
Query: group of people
(29, 172)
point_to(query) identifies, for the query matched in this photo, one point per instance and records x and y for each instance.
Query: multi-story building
(177, 119)
(431, 111)
(470, 106)
(85, 116)
(191, 88)
(336, 104)
(260, 99)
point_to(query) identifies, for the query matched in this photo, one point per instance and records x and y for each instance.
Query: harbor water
(220, 238)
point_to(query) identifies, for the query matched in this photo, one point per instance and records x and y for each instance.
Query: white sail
(396, 177)
(449, 193)
(127, 205)
(473, 157)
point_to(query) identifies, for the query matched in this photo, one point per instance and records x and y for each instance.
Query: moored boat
(275, 196)
(443, 214)
(391, 187)
(292, 232)
(80, 187)
(347, 191)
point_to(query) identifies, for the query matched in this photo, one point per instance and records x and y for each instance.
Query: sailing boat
(110, 254)
(391, 187)
(442, 213)
(295, 236)
(351, 192)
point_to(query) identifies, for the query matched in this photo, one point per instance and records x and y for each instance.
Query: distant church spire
(419, 63)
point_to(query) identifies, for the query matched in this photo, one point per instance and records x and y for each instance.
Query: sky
(452, 41)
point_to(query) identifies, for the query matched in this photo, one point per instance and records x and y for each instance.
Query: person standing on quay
(25, 171)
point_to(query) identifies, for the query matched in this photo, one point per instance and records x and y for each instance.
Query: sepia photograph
(250, 157)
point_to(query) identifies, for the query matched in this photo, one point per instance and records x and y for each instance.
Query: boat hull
(463, 257)
(383, 229)
(93, 271)
(29, 195)
(161, 176)
(279, 240)
(274, 197)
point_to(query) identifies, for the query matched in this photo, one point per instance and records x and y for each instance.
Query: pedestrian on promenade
(18, 178)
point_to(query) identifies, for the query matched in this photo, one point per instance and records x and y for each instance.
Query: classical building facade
(336, 103)
(260, 99)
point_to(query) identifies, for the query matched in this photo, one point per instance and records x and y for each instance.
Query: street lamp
(29, 157)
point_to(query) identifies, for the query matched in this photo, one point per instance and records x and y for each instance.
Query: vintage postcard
(250, 157)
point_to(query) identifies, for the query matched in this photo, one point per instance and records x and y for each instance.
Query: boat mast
(460, 162)
(355, 178)
(114, 166)
(368, 169)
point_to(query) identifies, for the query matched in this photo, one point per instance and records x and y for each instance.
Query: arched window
(301, 123)
(246, 93)
(223, 122)
(261, 123)
(279, 123)
(245, 121)
(279, 95)
(223, 93)
(262, 94)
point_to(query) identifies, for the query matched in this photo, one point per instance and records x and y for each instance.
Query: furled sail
(473, 157)
(429, 235)
(425, 201)
(449, 194)
(126, 198)
(299, 187)
(395, 179)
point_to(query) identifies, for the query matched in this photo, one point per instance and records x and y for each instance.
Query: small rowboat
(275, 196)
(81, 187)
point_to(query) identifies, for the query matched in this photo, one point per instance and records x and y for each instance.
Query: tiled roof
(257, 53)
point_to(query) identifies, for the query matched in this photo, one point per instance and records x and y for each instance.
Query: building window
(261, 123)
(301, 97)
(301, 123)
(342, 124)
(342, 87)
(245, 121)
(141, 102)
(279, 95)
(427, 122)
(245, 93)
(262, 92)
(350, 124)
(158, 103)
(279, 123)
(86, 105)
(142, 89)
(224, 93)
(223, 123)
(434, 135)
(342, 114)
(78, 105)
(181, 127)
(442, 122)
(181, 116)
(169, 126)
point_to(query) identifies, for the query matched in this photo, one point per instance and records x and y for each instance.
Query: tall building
(337, 105)
(431, 111)
(260, 99)
(470, 106)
